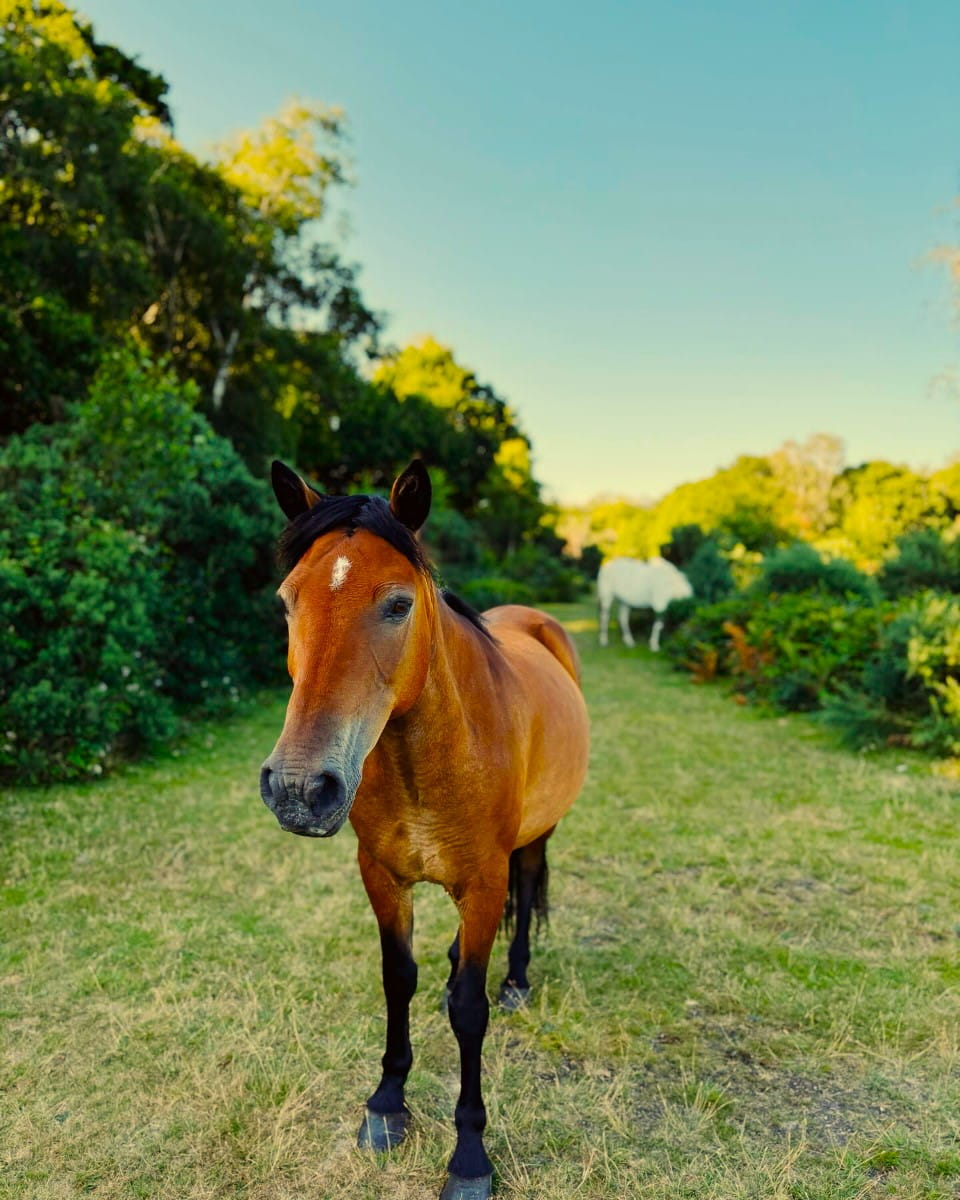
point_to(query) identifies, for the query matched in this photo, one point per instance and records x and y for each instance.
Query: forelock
(348, 513)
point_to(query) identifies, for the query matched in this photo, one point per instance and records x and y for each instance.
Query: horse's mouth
(331, 824)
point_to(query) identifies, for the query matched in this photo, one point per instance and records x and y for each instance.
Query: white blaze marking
(340, 570)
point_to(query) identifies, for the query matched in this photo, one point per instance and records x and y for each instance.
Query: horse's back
(642, 583)
(547, 667)
(542, 628)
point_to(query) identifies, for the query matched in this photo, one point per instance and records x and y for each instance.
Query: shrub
(812, 645)
(924, 560)
(701, 644)
(799, 568)
(685, 541)
(135, 564)
(547, 574)
(909, 691)
(490, 590)
(709, 573)
(787, 652)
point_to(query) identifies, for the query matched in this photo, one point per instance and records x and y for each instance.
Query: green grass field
(750, 986)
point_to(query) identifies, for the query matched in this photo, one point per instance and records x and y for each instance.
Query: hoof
(382, 1131)
(467, 1189)
(512, 997)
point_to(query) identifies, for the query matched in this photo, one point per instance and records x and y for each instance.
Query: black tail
(528, 864)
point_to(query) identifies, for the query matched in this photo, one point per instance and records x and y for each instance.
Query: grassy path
(750, 987)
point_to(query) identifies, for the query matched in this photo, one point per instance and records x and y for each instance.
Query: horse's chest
(411, 849)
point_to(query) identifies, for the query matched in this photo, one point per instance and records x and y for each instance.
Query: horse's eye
(398, 608)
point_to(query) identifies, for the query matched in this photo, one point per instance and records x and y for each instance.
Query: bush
(135, 572)
(788, 652)
(909, 691)
(490, 590)
(685, 541)
(547, 574)
(709, 573)
(799, 568)
(924, 560)
(701, 644)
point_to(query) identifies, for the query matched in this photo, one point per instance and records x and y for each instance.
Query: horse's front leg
(481, 906)
(625, 625)
(385, 1122)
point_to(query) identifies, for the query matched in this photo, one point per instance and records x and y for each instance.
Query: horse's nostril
(325, 794)
(266, 787)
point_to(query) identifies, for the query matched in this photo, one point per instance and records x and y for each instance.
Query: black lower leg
(469, 1013)
(399, 985)
(529, 887)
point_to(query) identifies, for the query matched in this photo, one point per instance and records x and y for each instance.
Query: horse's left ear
(410, 496)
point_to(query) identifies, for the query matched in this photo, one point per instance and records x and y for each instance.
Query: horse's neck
(459, 678)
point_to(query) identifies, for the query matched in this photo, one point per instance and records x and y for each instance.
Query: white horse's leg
(604, 618)
(655, 633)
(625, 625)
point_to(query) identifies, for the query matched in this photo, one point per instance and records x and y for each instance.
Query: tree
(475, 413)
(743, 502)
(109, 229)
(70, 196)
(875, 504)
(806, 472)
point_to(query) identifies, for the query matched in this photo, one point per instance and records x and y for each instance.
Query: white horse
(638, 584)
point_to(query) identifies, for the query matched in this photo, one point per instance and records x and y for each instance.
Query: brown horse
(453, 742)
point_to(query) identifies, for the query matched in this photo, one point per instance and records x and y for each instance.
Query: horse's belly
(557, 769)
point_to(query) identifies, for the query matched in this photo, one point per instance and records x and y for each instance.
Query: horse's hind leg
(528, 894)
(603, 617)
(385, 1122)
(655, 632)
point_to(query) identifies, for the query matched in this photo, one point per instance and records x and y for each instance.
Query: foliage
(486, 591)
(806, 472)
(742, 503)
(788, 651)
(701, 644)
(759, 504)
(909, 691)
(924, 559)
(685, 541)
(135, 562)
(802, 638)
(110, 228)
(799, 568)
(427, 371)
(875, 504)
(709, 573)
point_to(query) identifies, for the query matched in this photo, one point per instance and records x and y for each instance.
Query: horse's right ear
(410, 496)
(293, 495)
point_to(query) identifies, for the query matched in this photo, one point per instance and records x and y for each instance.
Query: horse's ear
(410, 496)
(293, 495)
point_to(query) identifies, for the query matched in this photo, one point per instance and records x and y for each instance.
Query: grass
(749, 988)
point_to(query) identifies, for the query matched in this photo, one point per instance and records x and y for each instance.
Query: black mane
(373, 514)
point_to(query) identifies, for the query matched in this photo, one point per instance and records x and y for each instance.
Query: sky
(667, 233)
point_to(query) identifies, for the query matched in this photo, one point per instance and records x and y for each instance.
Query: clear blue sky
(667, 233)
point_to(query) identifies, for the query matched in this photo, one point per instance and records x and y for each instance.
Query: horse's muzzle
(314, 807)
